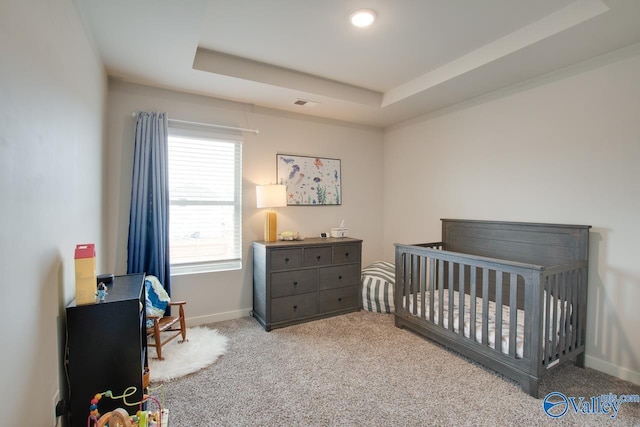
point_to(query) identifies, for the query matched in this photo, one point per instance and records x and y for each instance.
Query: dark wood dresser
(298, 281)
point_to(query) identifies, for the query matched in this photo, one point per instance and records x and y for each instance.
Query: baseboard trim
(218, 317)
(611, 369)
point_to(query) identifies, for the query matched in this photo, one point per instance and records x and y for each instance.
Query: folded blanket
(157, 298)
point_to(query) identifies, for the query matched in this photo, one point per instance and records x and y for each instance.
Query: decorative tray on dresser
(298, 281)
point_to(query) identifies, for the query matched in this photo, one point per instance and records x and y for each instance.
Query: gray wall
(223, 295)
(52, 108)
(564, 149)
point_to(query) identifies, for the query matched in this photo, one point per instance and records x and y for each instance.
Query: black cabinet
(107, 349)
(298, 281)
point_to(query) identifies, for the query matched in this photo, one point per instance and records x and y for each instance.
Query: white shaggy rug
(203, 347)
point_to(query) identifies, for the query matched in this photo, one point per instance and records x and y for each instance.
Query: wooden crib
(529, 285)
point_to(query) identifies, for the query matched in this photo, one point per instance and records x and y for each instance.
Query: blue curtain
(148, 247)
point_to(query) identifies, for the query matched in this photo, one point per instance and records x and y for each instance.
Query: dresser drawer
(282, 259)
(293, 282)
(317, 256)
(339, 276)
(293, 307)
(343, 254)
(338, 299)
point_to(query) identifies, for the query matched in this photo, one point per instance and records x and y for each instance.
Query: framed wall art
(310, 181)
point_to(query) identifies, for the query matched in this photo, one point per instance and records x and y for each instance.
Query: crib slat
(415, 283)
(547, 313)
(440, 291)
(407, 279)
(472, 297)
(414, 279)
(498, 325)
(554, 325)
(579, 309)
(432, 286)
(485, 306)
(566, 282)
(575, 309)
(423, 285)
(583, 304)
(461, 309)
(450, 317)
(562, 328)
(569, 329)
(513, 313)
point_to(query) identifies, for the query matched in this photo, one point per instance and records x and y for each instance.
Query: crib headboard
(544, 245)
(532, 243)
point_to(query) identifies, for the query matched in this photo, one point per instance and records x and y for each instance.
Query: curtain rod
(256, 131)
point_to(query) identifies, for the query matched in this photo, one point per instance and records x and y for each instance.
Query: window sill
(182, 270)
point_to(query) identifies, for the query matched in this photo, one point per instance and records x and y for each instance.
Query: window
(205, 216)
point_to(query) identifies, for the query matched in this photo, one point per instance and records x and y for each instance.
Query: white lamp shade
(271, 196)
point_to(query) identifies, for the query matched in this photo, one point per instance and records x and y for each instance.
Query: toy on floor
(119, 417)
(116, 418)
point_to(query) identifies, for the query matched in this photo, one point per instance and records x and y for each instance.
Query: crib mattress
(467, 316)
(506, 327)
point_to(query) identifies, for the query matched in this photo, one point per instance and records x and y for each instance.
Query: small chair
(158, 322)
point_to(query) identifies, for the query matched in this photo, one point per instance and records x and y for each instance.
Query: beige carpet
(359, 370)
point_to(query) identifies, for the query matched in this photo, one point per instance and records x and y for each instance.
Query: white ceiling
(419, 56)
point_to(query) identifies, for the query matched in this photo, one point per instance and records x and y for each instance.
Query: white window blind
(205, 217)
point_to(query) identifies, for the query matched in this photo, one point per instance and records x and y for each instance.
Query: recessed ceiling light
(363, 17)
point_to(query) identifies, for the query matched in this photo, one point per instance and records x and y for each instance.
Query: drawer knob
(339, 277)
(286, 260)
(295, 283)
(346, 254)
(318, 257)
(339, 299)
(295, 307)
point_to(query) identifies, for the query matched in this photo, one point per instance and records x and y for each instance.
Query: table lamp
(271, 196)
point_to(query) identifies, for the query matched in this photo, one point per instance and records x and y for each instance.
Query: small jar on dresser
(299, 281)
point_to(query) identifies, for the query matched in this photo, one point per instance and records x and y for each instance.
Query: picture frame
(310, 181)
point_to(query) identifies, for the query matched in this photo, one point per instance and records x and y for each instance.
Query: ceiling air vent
(305, 103)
